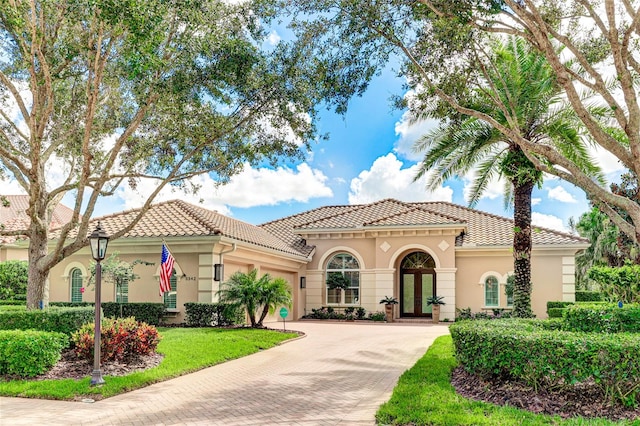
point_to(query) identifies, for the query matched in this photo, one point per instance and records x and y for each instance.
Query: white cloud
(409, 133)
(273, 38)
(536, 201)
(11, 186)
(250, 188)
(560, 194)
(387, 179)
(548, 221)
(493, 190)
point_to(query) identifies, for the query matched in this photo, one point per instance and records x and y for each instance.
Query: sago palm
(521, 93)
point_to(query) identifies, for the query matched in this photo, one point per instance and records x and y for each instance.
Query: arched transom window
(343, 280)
(418, 260)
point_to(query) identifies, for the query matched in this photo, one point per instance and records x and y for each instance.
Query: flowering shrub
(120, 339)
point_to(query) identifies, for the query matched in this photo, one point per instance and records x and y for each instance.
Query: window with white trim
(343, 280)
(170, 296)
(122, 291)
(491, 291)
(76, 285)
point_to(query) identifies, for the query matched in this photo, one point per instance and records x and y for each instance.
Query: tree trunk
(522, 249)
(37, 284)
(265, 311)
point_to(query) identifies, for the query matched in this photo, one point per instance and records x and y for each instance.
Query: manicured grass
(424, 396)
(185, 350)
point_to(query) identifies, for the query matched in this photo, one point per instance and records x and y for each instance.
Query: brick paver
(338, 374)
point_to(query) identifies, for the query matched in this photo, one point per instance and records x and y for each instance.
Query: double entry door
(416, 286)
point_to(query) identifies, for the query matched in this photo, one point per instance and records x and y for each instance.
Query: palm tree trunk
(522, 249)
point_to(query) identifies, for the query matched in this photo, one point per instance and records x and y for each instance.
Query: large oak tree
(105, 92)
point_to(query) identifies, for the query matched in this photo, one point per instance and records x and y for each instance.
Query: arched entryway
(417, 284)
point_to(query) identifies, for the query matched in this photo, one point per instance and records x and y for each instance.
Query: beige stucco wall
(194, 271)
(10, 252)
(379, 255)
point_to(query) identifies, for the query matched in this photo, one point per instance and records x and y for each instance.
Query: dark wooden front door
(416, 286)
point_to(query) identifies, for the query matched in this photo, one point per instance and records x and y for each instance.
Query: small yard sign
(283, 314)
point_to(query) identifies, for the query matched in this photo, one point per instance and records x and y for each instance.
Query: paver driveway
(337, 375)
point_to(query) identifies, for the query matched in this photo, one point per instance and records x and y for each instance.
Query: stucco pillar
(446, 287)
(568, 278)
(207, 288)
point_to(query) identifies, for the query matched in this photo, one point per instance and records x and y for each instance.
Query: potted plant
(435, 302)
(388, 303)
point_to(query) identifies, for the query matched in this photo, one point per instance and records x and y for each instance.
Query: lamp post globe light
(98, 240)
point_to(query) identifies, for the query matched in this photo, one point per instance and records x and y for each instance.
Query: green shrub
(120, 339)
(555, 312)
(361, 313)
(556, 304)
(12, 303)
(151, 313)
(618, 283)
(588, 296)
(13, 278)
(602, 318)
(377, 316)
(71, 304)
(213, 314)
(525, 350)
(27, 353)
(61, 320)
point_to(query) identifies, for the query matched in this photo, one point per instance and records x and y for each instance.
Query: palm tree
(276, 292)
(520, 93)
(255, 294)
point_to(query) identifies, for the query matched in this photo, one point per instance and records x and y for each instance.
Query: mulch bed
(584, 400)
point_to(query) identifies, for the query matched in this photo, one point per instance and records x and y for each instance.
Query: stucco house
(387, 248)
(13, 217)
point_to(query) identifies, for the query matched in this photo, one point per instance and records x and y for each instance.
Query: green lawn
(213, 347)
(424, 396)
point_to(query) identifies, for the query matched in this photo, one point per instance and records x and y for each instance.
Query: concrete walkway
(337, 375)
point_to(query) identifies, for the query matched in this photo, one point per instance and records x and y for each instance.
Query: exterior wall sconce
(218, 272)
(303, 282)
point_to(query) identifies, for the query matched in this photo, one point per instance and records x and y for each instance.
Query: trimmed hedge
(555, 312)
(151, 313)
(524, 350)
(556, 304)
(588, 296)
(71, 304)
(213, 314)
(61, 320)
(602, 318)
(28, 353)
(13, 302)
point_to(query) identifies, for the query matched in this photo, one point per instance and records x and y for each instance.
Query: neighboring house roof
(13, 217)
(177, 218)
(482, 229)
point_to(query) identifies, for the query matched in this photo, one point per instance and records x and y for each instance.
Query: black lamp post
(99, 240)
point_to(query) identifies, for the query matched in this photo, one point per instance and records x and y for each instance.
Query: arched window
(491, 291)
(343, 280)
(170, 296)
(76, 285)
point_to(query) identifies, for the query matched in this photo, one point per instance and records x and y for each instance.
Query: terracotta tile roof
(14, 217)
(177, 218)
(485, 229)
(482, 229)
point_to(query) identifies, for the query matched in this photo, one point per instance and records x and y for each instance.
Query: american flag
(166, 270)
